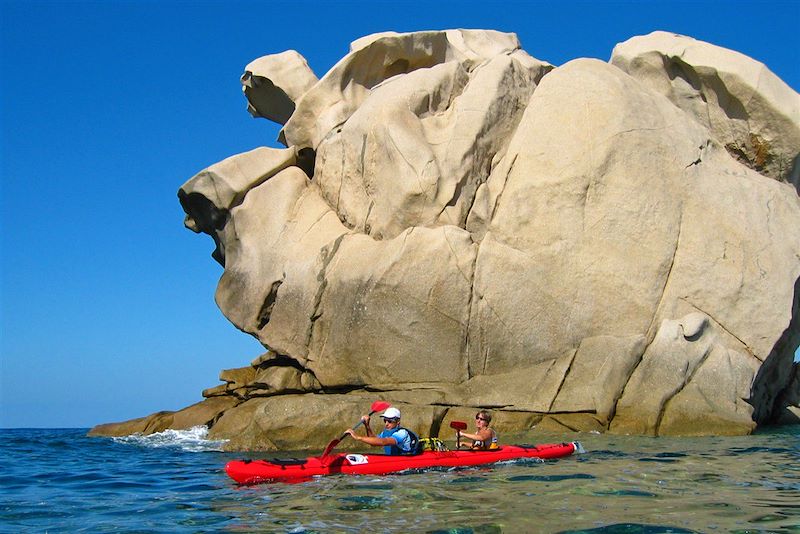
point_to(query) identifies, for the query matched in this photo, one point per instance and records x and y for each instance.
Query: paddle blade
(378, 406)
(330, 447)
(458, 425)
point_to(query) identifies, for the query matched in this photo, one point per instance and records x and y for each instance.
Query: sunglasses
(388, 420)
(481, 419)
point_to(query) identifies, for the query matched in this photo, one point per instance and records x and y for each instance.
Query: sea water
(59, 480)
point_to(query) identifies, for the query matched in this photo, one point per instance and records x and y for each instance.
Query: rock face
(751, 112)
(455, 224)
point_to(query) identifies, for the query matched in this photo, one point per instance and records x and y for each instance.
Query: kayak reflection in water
(484, 437)
(393, 438)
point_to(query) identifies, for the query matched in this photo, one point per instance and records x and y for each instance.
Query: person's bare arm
(371, 440)
(367, 428)
(484, 435)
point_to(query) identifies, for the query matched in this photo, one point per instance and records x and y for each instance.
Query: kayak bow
(293, 469)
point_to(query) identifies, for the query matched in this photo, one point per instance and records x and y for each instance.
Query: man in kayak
(484, 437)
(393, 438)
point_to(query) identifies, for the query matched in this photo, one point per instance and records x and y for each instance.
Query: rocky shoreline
(273, 405)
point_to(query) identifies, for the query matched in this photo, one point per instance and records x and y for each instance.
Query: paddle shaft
(458, 426)
(376, 407)
(361, 422)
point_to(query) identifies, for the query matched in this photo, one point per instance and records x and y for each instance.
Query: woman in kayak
(393, 438)
(484, 437)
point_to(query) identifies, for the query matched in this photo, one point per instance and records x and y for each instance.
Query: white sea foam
(190, 440)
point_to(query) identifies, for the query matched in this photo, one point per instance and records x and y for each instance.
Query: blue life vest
(406, 441)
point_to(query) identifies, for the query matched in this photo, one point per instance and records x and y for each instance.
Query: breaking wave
(189, 440)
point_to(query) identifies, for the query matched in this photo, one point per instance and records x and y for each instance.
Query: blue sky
(106, 108)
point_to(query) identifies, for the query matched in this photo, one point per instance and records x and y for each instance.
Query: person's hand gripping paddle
(459, 426)
(377, 406)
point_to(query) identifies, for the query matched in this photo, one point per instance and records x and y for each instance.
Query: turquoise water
(58, 480)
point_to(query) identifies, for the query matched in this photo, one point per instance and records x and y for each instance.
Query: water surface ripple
(58, 480)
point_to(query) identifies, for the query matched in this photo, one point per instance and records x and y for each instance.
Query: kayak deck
(257, 471)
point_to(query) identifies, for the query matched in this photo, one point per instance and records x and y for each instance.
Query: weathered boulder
(377, 58)
(267, 375)
(394, 311)
(280, 239)
(703, 382)
(415, 151)
(457, 225)
(209, 196)
(126, 428)
(237, 378)
(204, 413)
(272, 84)
(605, 229)
(748, 110)
(288, 422)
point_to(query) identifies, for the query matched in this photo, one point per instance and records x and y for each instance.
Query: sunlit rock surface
(457, 225)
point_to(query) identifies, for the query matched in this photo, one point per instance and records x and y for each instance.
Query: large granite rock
(457, 225)
(204, 413)
(748, 110)
(273, 83)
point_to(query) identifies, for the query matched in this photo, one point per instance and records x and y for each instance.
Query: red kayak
(294, 469)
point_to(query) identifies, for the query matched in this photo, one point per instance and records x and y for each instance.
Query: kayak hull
(248, 472)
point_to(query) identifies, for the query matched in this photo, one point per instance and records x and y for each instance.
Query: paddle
(377, 406)
(459, 426)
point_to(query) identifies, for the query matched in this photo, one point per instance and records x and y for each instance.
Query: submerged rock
(457, 225)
